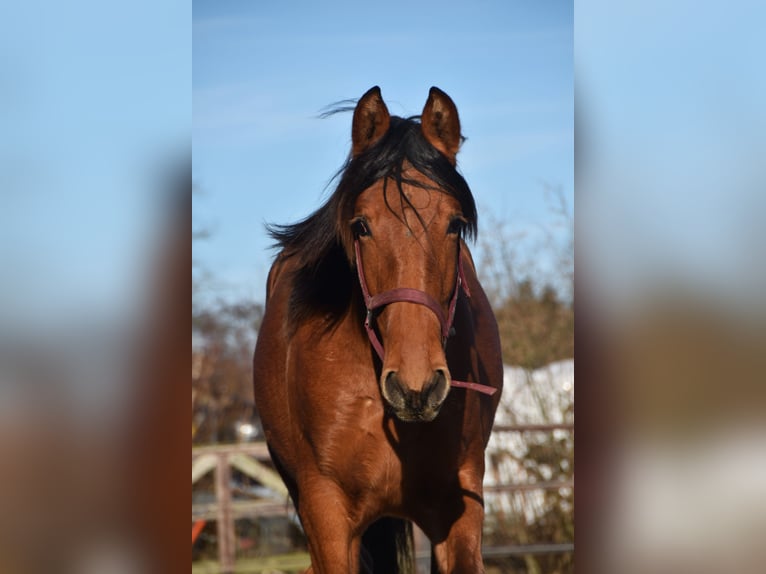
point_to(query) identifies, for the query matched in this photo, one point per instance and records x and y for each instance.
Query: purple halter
(409, 295)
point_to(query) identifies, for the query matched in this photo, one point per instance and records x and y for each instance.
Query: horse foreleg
(333, 545)
(460, 551)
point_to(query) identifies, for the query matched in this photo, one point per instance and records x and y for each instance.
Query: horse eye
(456, 226)
(360, 228)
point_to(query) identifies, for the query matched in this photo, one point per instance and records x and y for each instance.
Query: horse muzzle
(415, 405)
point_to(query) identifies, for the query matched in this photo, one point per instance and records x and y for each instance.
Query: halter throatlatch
(409, 295)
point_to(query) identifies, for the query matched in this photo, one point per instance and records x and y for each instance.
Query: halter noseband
(409, 295)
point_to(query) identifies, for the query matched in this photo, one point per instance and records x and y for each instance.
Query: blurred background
(670, 179)
(95, 209)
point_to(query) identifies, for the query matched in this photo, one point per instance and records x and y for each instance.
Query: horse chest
(351, 448)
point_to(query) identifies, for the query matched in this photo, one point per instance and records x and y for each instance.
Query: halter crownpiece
(410, 295)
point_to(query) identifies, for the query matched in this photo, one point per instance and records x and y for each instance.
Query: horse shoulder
(269, 358)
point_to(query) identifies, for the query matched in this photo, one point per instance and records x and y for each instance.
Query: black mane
(321, 241)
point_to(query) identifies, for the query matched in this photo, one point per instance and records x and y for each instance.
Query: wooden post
(226, 539)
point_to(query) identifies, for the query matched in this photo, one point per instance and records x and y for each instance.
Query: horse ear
(371, 121)
(440, 123)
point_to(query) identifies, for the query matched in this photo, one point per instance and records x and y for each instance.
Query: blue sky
(95, 104)
(262, 71)
(672, 97)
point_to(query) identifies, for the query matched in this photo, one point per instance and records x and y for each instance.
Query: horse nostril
(392, 389)
(440, 375)
(437, 388)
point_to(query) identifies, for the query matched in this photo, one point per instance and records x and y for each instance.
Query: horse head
(406, 229)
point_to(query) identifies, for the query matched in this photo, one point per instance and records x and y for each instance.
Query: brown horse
(379, 357)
